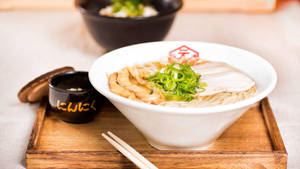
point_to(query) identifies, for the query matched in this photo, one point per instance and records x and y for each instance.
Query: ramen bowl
(167, 128)
(112, 32)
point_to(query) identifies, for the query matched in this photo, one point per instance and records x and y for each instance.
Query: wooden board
(253, 141)
(189, 5)
(254, 6)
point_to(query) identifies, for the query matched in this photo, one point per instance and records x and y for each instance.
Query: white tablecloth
(32, 43)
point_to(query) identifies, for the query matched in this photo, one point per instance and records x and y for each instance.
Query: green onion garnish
(177, 83)
(132, 8)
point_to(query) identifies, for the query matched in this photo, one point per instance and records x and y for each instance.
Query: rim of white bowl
(186, 110)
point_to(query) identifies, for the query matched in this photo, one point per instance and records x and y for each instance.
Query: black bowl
(112, 33)
(71, 104)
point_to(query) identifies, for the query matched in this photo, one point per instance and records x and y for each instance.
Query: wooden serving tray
(253, 141)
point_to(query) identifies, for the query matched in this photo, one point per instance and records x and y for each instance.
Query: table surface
(35, 42)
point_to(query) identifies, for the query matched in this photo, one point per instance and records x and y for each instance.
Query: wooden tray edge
(37, 126)
(274, 133)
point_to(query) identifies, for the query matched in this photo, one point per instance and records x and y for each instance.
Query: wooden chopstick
(132, 150)
(125, 152)
(128, 151)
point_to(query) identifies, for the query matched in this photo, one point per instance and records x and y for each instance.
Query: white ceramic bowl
(182, 128)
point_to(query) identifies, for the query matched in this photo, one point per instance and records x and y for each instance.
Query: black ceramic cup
(73, 98)
(112, 33)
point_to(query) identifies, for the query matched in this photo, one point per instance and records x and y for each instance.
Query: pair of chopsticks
(128, 151)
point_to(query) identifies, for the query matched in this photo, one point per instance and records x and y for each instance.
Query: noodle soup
(199, 84)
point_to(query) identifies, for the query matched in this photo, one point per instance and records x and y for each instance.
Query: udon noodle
(219, 83)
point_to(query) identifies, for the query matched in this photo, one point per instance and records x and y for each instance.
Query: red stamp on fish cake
(183, 54)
